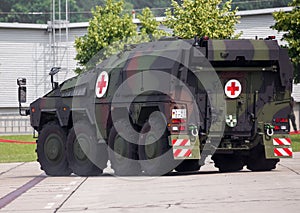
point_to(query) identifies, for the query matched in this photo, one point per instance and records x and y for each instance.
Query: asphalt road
(25, 188)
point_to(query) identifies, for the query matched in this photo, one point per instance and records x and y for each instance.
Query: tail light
(182, 128)
(277, 128)
(281, 124)
(281, 120)
(178, 121)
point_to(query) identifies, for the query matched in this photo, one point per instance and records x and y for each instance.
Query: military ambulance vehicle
(165, 105)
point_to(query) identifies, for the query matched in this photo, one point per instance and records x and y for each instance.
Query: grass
(10, 152)
(295, 143)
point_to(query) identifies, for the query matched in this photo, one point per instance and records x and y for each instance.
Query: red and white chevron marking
(179, 153)
(282, 142)
(181, 142)
(283, 152)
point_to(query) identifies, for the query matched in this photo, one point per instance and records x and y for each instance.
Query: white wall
(257, 25)
(27, 53)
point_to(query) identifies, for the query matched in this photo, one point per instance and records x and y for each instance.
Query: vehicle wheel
(258, 162)
(188, 166)
(85, 156)
(228, 163)
(155, 153)
(123, 154)
(51, 150)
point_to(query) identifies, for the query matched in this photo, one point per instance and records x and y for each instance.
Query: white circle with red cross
(233, 88)
(101, 84)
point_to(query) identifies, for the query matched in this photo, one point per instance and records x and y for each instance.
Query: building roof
(16, 25)
(263, 11)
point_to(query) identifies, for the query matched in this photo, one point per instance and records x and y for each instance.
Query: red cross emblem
(233, 88)
(101, 84)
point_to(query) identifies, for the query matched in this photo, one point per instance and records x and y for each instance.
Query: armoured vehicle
(167, 104)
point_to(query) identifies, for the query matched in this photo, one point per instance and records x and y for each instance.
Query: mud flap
(185, 147)
(278, 146)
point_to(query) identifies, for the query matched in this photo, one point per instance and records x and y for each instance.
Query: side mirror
(53, 71)
(22, 94)
(22, 90)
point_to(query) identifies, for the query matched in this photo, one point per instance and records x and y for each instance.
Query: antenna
(58, 29)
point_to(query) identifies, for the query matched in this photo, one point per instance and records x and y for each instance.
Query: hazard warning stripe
(182, 153)
(280, 152)
(282, 142)
(181, 142)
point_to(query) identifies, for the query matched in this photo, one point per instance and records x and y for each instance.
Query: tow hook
(269, 129)
(193, 129)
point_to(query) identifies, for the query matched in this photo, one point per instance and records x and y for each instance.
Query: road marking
(18, 192)
(66, 188)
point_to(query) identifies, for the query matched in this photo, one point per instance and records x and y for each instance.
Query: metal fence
(12, 125)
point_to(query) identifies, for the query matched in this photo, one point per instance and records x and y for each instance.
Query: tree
(151, 4)
(289, 23)
(15, 11)
(258, 4)
(110, 29)
(107, 25)
(39, 11)
(149, 25)
(88, 5)
(34, 11)
(157, 6)
(202, 18)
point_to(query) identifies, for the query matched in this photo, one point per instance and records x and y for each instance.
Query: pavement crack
(70, 195)
(2, 173)
(292, 170)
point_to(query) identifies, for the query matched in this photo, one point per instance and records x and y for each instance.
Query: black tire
(85, 156)
(188, 166)
(258, 162)
(156, 158)
(228, 162)
(51, 150)
(123, 154)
